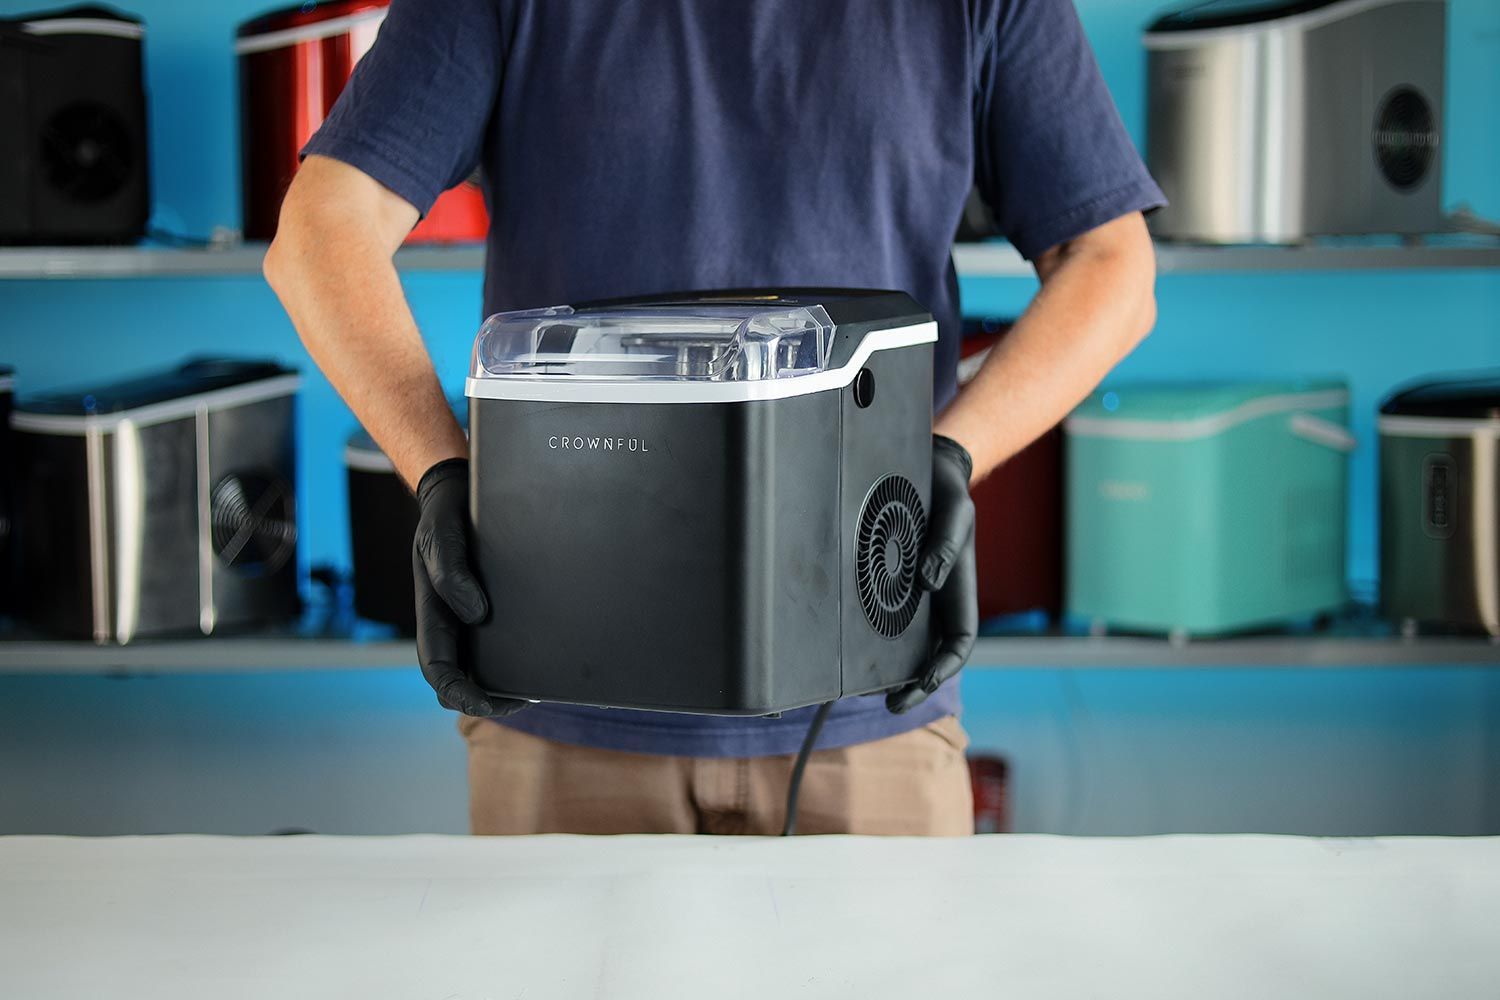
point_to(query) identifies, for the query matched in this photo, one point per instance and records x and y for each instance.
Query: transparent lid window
(738, 342)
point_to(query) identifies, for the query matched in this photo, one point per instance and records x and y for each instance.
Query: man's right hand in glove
(448, 596)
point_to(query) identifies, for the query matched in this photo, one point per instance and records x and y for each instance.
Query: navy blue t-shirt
(639, 146)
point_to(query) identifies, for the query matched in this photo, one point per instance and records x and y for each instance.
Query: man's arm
(332, 266)
(1096, 303)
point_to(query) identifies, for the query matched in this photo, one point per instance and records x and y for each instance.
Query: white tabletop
(536, 917)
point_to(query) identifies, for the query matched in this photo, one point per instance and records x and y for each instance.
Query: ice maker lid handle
(1323, 432)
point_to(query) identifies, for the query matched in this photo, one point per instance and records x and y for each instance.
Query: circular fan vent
(1406, 137)
(891, 529)
(87, 152)
(254, 522)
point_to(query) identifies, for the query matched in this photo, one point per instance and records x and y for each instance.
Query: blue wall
(1095, 750)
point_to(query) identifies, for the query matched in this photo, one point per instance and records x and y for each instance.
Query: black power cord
(813, 729)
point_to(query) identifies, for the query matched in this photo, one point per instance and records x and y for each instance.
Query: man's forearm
(1095, 305)
(332, 268)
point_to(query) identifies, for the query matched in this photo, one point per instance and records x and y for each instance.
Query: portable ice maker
(76, 166)
(160, 505)
(709, 503)
(1207, 508)
(1440, 503)
(1275, 121)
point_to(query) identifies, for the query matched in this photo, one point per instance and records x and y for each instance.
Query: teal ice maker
(1202, 509)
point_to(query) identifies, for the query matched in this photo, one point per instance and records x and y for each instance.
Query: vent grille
(254, 523)
(1406, 138)
(87, 152)
(889, 541)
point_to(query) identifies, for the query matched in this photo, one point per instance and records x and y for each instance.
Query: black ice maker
(710, 503)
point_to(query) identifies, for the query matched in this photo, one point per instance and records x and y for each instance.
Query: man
(639, 146)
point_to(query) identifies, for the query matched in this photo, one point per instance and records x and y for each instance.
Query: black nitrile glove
(448, 596)
(947, 570)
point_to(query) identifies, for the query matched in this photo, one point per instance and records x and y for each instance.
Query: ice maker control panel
(1439, 495)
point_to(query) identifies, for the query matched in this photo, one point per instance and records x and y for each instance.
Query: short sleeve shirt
(636, 146)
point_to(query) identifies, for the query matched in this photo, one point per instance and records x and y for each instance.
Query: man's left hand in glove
(947, 570)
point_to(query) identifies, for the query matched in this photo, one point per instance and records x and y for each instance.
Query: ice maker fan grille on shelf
(87, 152)
(889, 541)
(1406, 138)
(254, 522)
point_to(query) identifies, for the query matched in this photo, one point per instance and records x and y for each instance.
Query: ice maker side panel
(382, 521)
(54, 568)
(1435, 550)
(251, 545)
(1350, 88)
(890, 436)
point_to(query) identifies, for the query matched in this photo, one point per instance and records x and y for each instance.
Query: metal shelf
(248, 654)
(251, 654)
(1272, 650)
(1000, 260)
(977, 260)
(171, 262)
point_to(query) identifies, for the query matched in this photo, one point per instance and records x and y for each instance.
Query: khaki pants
(916, 783)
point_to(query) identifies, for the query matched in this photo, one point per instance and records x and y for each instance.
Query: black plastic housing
(382, 523)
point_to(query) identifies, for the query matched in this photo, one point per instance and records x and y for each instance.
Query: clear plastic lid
(691, 342)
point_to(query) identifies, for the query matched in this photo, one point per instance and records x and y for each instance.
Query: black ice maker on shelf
(710, 503)
(160, 505)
